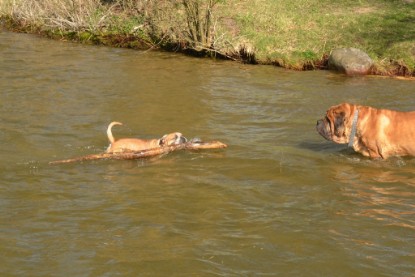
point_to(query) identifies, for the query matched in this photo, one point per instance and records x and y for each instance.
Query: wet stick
(191, 145)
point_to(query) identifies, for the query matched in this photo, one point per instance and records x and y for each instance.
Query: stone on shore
(351, 61)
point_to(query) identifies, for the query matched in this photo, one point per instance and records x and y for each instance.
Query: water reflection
(380, 190)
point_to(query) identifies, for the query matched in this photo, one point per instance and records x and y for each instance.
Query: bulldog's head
(336, 125)
(172, 139)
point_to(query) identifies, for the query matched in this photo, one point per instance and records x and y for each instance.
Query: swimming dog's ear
(181, 139)
(162, 141)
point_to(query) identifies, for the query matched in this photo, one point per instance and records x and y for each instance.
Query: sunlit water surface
(280, 200)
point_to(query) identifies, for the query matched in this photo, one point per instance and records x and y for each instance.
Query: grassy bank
(293, 34)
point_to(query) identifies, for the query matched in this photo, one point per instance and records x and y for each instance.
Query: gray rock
(351, 61)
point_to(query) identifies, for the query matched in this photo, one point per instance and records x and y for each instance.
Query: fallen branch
(191, 145)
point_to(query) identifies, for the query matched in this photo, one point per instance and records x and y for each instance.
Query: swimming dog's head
(172, 139)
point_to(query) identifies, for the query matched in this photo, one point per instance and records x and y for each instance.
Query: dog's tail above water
(109, 133)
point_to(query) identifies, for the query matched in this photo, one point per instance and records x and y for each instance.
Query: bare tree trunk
(199, 25)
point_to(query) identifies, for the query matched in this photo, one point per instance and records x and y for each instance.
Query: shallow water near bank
(280, 200)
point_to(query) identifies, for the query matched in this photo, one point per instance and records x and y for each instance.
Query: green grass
(294, 34)
(289, 31)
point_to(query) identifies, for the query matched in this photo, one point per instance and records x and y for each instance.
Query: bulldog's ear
(339, 123)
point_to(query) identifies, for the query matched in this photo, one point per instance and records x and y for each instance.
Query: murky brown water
(279, 201)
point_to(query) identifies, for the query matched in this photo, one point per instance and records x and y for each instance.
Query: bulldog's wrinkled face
(335, 126)
(172, 139)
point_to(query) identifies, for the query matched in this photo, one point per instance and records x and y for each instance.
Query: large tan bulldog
(372, 132)
(134, 144)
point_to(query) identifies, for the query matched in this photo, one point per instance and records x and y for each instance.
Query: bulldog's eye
(327, 119)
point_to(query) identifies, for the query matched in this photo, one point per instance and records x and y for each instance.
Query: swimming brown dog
(134, 144)
(375, 133)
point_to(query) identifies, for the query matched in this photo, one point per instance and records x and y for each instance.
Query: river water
(280, 200)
